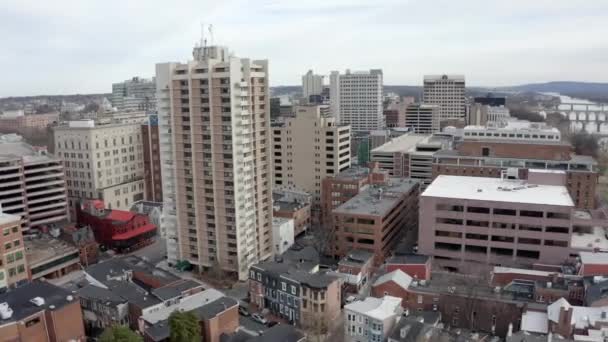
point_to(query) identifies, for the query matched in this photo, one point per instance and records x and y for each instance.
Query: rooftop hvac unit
(38, 301)
(5, 311)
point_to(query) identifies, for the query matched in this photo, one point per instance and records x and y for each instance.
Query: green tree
(184, 327)
(119, 333)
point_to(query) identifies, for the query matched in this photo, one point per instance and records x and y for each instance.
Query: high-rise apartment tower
(214, 126)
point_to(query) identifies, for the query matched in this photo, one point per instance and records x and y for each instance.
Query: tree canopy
(184, 327)
(120, 333)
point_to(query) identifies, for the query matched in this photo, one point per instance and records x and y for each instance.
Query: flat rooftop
(45, 249)
(402, 143)
(595, 239)
(371, 202)
(353, 172)
(497, 190)
(18, 300)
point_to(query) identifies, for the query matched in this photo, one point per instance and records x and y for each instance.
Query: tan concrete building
(13, 264)
(214, 128)
(102, 161)
(307, 148)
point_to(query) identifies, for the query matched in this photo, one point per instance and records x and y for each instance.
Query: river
(579, 104)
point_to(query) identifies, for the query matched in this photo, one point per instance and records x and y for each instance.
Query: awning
(133, 233)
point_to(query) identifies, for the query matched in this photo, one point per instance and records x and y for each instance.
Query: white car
(258, 318)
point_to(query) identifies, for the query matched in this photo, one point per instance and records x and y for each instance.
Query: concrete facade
(13, 264)
(102, 161)
(469, 220)
(422, 118)
(356, 99)
(32, 183)
(214, 126)
(447, 91)
(307, 148)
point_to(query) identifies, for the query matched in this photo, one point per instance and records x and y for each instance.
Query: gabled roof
(397, 276)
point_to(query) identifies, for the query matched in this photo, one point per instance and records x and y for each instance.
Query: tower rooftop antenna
(203, 41)
(211, 33)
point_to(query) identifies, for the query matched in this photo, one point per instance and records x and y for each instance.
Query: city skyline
(72, 47)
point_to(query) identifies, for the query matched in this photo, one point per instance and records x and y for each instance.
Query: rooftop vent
(38, 301)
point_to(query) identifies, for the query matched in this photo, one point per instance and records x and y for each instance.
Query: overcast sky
(82, 46)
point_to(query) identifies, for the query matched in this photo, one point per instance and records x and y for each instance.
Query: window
(32, 322)
(283, 286)
(485, 151)
(293, 290)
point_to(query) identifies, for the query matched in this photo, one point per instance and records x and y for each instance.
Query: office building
(371, 319)
(307, 148)
(422, 118)
(153, 189)
(40, 311)
(411, 155)
(376, 219)
(13, 264)
(33, 183)
(102, 161)
(505, 221)
(481, 115)
(345, 185)
(486, 152)
(136, 94)
(23, 123)
(448, 92)
(356, 99)
(311, 85)
(214, 125)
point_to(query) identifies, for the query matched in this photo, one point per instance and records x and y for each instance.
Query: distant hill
(587, 90)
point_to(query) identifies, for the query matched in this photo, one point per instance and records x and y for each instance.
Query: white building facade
(311, 84)
(356, 99)
(371, 319)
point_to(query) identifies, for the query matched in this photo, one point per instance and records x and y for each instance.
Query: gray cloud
(70, 46)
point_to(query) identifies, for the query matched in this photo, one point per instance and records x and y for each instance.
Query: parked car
(271, 324)
(243, 311)
(258, 318)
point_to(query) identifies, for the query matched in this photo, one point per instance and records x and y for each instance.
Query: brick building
(153, 186)
(294, 205)
(40, 312)
(356, 268)
(345, 185)
(415, 265)
(296, 291)
(119, 230)
(376, 219)
(22, 123)
(217, 315)
(487, 158)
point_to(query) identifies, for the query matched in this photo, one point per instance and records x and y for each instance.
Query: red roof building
(122, 231)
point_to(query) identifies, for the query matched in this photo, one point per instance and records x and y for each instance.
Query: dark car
(243, 311)
(272, 324)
